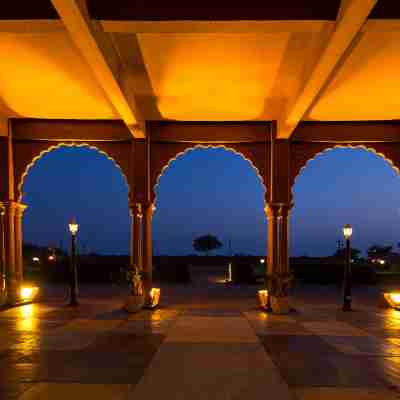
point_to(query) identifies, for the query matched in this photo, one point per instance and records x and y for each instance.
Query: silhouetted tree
(379, 251)
(354, 253)
(206, 243)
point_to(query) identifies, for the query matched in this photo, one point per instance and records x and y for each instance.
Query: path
(209, 346)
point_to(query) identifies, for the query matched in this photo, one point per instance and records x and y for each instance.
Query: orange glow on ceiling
(43, 76)
(366, 86)
(212, 76)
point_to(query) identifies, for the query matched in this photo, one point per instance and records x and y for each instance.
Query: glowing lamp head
(51, 258)
(347, 231)
(262, 260)
(73, 227)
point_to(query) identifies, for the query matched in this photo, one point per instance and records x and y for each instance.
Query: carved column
(278, 273)
(136, 236)
(9, 252)
(2, 258)
(19, 261)
(278, 207)
(147, 250)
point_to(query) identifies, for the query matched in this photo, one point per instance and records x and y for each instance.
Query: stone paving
(203, 343)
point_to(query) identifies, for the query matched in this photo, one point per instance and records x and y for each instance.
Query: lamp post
(347, 232)
(73, 228)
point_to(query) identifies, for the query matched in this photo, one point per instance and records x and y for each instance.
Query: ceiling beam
(102, 58)
(351, 18)
(306, 26)
(31, 26)
(3, 125)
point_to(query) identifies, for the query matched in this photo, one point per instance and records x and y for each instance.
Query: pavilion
(143, 81)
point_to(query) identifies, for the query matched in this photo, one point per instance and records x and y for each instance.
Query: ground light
(347, 232)
(263, 299)
(154, 297)
(28, 293)
(393, 299)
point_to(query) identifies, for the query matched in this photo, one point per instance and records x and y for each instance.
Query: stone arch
(254, 154)
(26, 154)
(303, 153)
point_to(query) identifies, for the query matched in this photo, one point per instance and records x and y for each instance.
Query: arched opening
(205, 191)
(78, 182)
(345, 186)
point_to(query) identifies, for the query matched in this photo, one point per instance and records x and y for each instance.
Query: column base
(280, 305)
(134, 304)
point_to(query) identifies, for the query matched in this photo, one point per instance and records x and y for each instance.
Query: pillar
(278, 205)
(147, 250)
(2, 259)
(278, 272)
(136, 236)
(11, 248)
(9, 252)
(11, 231)
(19, 261)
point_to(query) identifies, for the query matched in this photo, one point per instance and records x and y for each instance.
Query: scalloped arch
(203, 146)
(60, 145)
(344, 146)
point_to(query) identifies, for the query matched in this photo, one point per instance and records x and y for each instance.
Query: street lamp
(73, 281)
(347, 232)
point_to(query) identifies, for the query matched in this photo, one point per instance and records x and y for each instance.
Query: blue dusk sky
(212, 191)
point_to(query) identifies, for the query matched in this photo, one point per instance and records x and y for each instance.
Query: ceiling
(201, 64)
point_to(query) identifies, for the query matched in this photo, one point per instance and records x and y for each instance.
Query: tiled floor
(209, 343)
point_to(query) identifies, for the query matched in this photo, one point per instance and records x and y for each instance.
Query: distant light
(382, 262)
(51, 258)
(347, 231)
(262, 260)
(73, 227)
(35, 259)
(28, 293)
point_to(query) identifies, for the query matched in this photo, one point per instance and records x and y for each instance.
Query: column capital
(12, 207)
(136, 210)
(150, 208)
(20, 209)
(278, 209)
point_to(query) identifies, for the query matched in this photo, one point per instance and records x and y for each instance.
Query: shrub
(333, 273)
